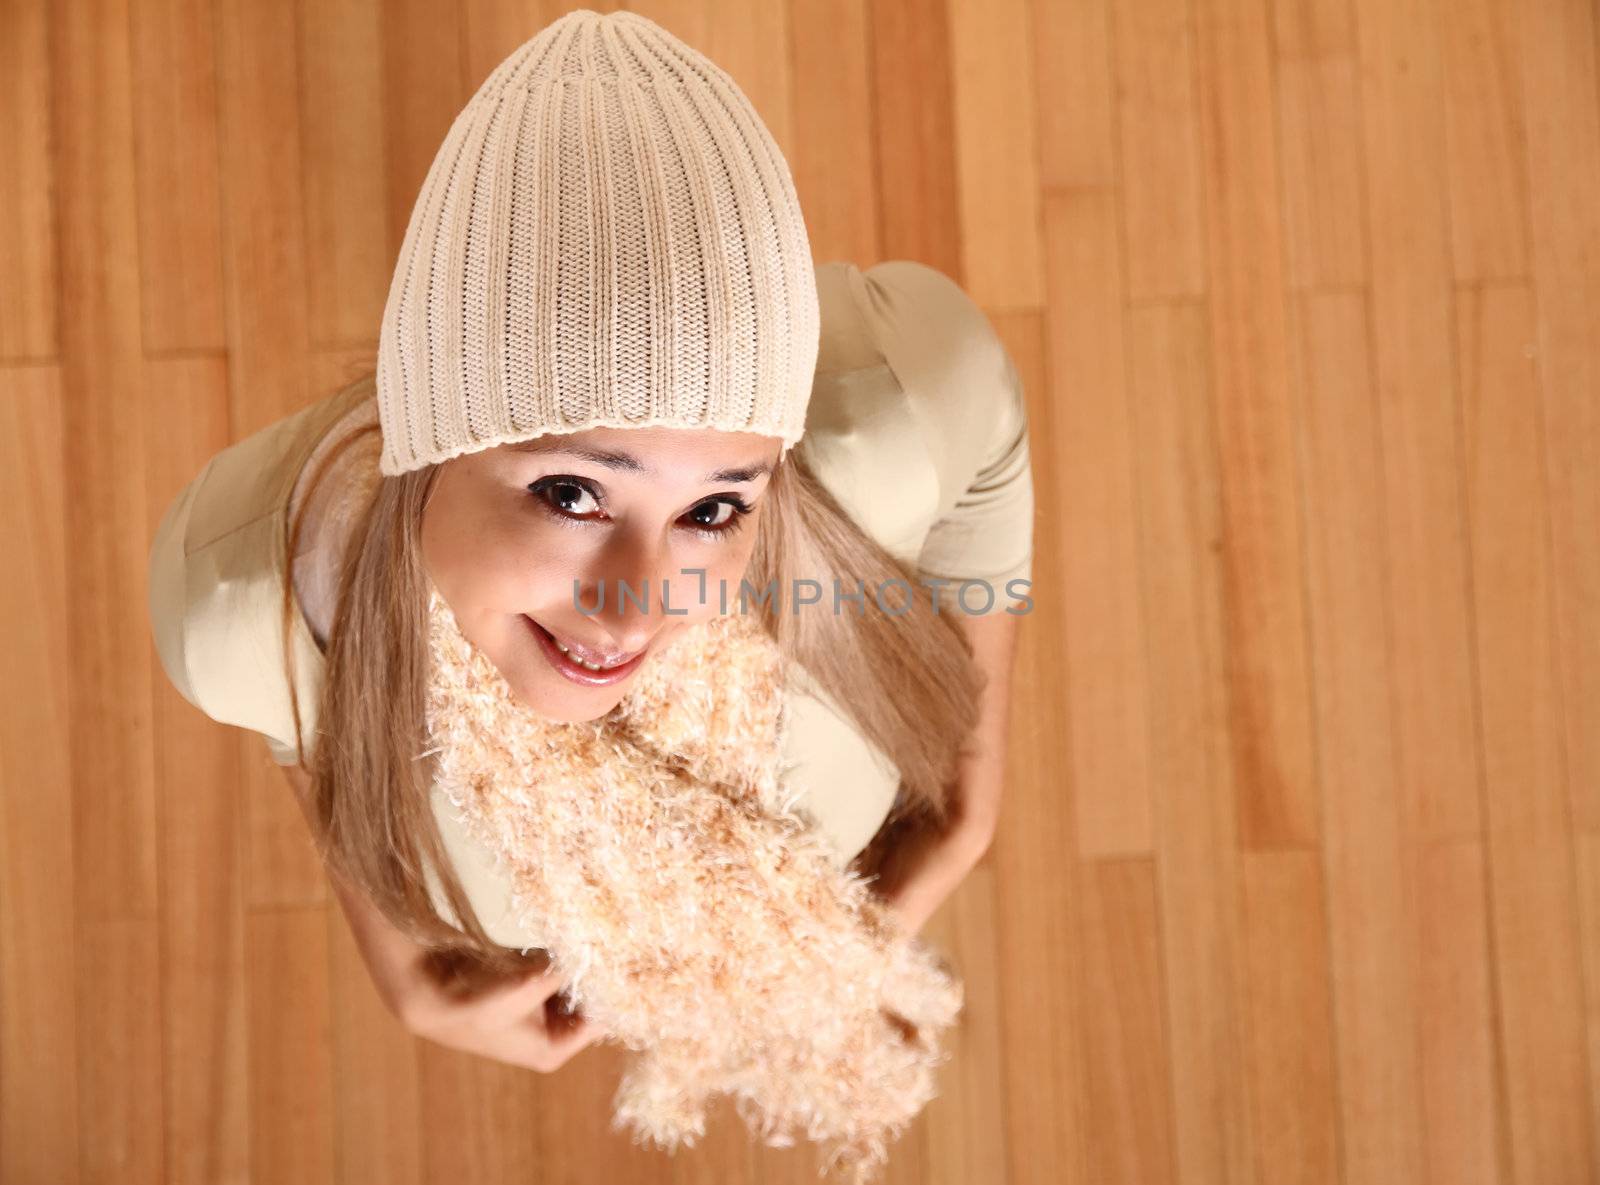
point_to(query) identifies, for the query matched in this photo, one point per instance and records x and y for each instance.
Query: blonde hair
(906, 679)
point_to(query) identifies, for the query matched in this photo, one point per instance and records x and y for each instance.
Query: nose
(631, 575)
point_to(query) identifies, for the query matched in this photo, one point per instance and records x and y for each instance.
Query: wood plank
(1076, 107)
(28, 281)
(264, 240)
(1269, 676)
(1095, 530)
(39, 965)
(422, 92)
(1463, 1093)
(108, 660)
(918, 152)
(1367, 864)
(179, 183)
(202, 954)
(1036, 942)
(376, 1095)
(997, 152)
(481, 1122)
(347, 262)
(1562, 118)
(1414, 374)
(1127, 1063)
(1532, 870)
(962, 1131)
(282, 868)
(1588, 860)
(1191, 776)
(1485, 140)
(1290, 1043)
(1319, 142)
(1158, 145)
(291, 1065)
(834, 155)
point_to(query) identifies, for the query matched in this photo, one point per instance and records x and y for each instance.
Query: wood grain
(1297, 876)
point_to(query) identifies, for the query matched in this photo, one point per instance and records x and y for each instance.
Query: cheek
(732, 561)
(486, 558)
(528, 569)
(725, 567)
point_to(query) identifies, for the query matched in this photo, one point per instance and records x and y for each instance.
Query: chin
(556, 698)
(566, 710)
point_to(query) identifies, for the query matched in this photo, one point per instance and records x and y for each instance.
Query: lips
(601, 658)
(575, 671)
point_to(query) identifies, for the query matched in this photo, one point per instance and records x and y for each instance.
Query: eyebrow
(629, 463)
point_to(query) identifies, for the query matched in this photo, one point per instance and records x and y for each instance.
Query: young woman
(608, 361)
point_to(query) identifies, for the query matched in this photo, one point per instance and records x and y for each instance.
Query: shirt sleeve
(172, 614)
(988, 534)
(167, 592)
(970, 398)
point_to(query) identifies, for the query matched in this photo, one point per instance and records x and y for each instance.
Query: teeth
(589, 665)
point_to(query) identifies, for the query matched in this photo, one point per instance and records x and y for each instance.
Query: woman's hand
(923, 866)
(522, 1021)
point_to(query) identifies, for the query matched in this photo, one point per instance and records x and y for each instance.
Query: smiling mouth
(602, 665)
(580, 670)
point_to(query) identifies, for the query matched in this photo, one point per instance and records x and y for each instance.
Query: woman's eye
(709, 514)
(709, 521)
(566, 496)
(573, 502)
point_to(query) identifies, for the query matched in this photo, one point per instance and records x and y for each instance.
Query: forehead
(688, 453)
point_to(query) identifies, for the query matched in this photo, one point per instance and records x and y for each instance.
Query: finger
(527, 1048)
(561, 1006)
(519, 998)
(567, 1039)
(563, 1018)
(536, 1048)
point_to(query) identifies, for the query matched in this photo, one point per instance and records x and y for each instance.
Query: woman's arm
(394, 961)
(518, 1020)
(921, 871)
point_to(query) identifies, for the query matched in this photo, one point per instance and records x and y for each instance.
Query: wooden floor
(1299, 874)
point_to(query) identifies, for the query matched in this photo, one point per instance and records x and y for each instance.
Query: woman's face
(510, 534)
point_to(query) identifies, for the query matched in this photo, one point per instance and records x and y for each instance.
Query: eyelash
(539, 488)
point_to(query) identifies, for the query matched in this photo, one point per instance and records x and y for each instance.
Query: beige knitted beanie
(609, 236)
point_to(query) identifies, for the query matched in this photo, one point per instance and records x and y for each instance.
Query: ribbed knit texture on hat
(608, 236)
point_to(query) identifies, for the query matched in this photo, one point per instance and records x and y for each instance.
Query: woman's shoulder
(945, 352)
(921, 412)
(215, 580)
(252, 477)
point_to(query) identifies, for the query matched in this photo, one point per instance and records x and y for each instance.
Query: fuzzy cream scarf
(698, 918)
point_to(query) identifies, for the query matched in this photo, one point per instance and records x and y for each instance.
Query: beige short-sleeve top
(917, 424)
